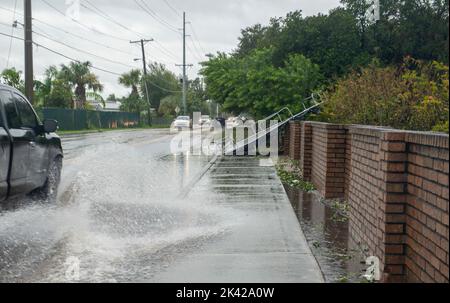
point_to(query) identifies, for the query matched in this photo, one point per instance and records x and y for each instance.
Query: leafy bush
(255, 85)
(413, 96)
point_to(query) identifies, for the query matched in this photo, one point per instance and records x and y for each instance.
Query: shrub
(412, 96)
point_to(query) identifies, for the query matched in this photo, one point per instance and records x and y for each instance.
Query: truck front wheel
(49, 191)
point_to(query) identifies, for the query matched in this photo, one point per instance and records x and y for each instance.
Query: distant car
(30, 151)
(205, 120)
(182, 122)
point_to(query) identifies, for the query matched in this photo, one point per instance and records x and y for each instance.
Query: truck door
(4, 156)
(21, 147)
(37, 143)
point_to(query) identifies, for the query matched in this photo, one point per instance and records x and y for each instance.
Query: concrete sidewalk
(267, 243)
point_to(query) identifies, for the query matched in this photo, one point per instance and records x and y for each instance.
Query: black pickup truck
(30, 151)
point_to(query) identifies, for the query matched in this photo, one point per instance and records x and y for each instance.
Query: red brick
(393, 146)
(394, 228)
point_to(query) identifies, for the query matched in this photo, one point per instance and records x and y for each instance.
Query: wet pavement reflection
(118, 216)
(327, 232)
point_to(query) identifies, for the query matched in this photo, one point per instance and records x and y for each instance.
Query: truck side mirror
(50, 126)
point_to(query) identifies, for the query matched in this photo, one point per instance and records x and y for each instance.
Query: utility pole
(142, 42)
(184, 65)
(28, 51)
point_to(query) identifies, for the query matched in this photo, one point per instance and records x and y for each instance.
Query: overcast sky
(216, 26)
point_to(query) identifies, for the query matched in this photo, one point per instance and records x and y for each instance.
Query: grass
(290, 174)
(101, 130)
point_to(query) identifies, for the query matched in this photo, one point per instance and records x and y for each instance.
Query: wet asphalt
(120, 217)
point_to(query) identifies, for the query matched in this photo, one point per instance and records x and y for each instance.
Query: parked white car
(181, 122)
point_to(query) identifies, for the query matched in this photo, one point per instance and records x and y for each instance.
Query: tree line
(72, 85)
(348, 59)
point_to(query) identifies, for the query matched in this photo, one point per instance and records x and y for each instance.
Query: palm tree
(131, 79)
(80, 77)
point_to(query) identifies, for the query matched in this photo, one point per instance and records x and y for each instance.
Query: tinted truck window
(11, 113)
(27, 116)
(1, 111)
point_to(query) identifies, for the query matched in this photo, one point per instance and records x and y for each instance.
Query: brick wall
(427, 210)
(294, 140)
(364, 193)
(396, 183)
(328, 159)
(306, 150)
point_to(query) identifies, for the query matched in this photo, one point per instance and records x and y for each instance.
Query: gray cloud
(217, 26)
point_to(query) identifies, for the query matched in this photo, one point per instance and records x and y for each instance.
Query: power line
(83, 25)
(78, 61)
(197, 53)
(168, 52)
(104, 15)
(77, 49)
(96, 10)
(196, 37)
(173, 8)
(61, 54)
(159, 45)
(83, 51)
(84, 38)
(150, 12)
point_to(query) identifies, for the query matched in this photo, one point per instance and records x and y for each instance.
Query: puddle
(327, 232)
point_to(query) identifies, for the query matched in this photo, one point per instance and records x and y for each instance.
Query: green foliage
(160, 84)
(13, 78)
(196, 101)
(291, 175)
(415, 28)
(414, 96)
(331, 41)
(255, 85)
(131, 80)
(197, 98)
(169, 104)
(263, 74)
(79, 76)
(59, 96)
(133, 104)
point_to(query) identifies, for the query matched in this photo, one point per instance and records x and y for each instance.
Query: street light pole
(28, 51)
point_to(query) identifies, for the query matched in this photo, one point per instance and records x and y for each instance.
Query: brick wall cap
(428, 138)
(325, 125)
(373, 131)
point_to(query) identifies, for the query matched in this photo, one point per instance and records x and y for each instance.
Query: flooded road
(326, 228)
(130, 211)
(118, 218)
